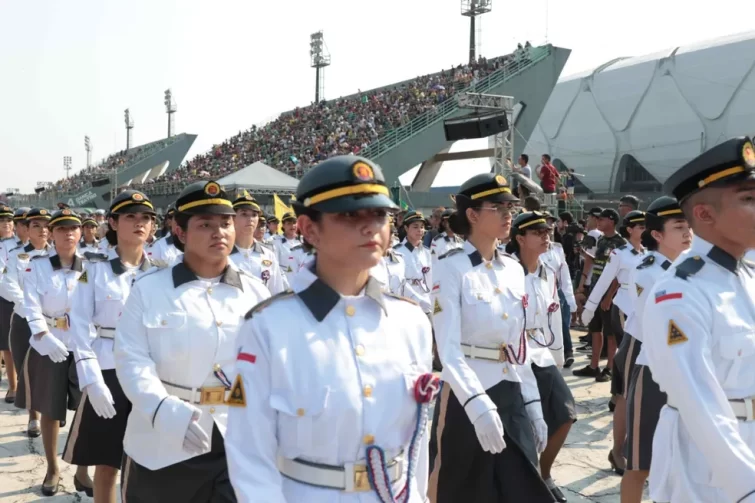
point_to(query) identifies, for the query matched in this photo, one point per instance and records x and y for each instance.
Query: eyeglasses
(502, 209)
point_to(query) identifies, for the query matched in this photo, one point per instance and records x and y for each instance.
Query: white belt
(60, 322)
(105, 333)
(351, 477)
(743, 408)
(477, 353)
(206, 395)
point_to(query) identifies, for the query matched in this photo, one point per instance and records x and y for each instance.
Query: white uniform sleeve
(138, 377)
(32, 302)
(564, 280)
(251, 440)
(683, 368)
(82, 329)
(10, 287)
(277, 282)
(557, 348)
(446, 295)
(599, 289)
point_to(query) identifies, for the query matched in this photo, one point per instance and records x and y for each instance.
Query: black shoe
(568, 362)
(10, 398)
(611, 405)
(587, 348)
(62, 423)
(51, 488)
(612, 461)
(586, 371)
(585, 338)
(603, 376)
(82, 488)
(556, 492)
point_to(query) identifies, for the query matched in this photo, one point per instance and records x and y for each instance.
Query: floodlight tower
(472, 9)
(170, 109)
(319, 59)
(88, 148)
(67, 165)
(129, 126)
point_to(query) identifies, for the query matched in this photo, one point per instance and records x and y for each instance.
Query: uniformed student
(7, 242)
(601, 327)
(284, 244)
(698, 333)
(51, 385)
(530, 241)
(490, 399)
(96, 435)
(667, 235)
(89, 242)
(418, 260)
(446, 240)
(334, 374)
(163, 252)
(175, 353)
(12, 288)
(248, 254)
(272, 228)
(168, 221)
(260, 232)
(589, 246)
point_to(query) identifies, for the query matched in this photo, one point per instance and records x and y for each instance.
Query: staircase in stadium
(530, 81)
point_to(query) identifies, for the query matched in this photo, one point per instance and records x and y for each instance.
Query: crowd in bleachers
(299, 139)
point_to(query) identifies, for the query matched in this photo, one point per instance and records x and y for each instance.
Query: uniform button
(299, 412)
(218, 323)
(505, 316)
(505, 370)
(350, 310)
(164, 322)
(212, 410)
(209, 291)
(360, 350)
(108, 297)
(216, 367)
(369, 439)
(368, 391)
(489, 265)
(497, 290)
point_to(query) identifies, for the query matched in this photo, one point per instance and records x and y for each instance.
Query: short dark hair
(631, 200)
(525, 157)
(566, 216)
(547, 157)
(531, 203)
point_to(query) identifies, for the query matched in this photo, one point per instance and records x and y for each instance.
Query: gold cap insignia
(137, 197)
(212, 189)
(748, 154)
(43, 212)
(66, 212)
(500, 180)
(246, 195)
(363, 171)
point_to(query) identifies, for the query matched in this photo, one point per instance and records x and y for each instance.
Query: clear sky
(69, 69)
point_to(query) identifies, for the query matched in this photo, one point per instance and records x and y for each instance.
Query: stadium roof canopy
(259, 176)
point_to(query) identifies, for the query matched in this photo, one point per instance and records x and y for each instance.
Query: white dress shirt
(260, 262)
(480, 303)
(286, 258)
(545, 340)
(83, 247)
(325, 377)
(699, 329)
(163, 253)
(621, 262)
(556, 260)
(12, 283)
(418, 273)
(176, 331)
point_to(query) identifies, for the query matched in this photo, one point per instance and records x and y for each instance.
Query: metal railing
(394, 137)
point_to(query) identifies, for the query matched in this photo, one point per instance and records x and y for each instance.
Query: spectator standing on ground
(435, 218)
(548, 175)
(523, 168)
(628, 203)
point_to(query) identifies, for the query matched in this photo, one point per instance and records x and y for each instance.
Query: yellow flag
(280, 209)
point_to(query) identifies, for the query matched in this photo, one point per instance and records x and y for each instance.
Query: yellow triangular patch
(675, 334)
(237, 396)
(289, 269)
(436, 307)
(83, 278)
(639, 289)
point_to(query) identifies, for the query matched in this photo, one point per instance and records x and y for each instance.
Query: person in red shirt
(548, 175)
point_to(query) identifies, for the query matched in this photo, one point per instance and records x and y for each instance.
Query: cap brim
(353, 203)
(501, 197)
(536, 227)
(732, 180)
(135, 208)
(211, 209)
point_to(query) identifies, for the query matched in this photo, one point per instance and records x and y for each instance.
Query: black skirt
(558, 403)
(623, 364)
(47, 387)
(6, 312)
(467, 473)
(197, 480)
(644, 403)
(19, 342)
(94, 440)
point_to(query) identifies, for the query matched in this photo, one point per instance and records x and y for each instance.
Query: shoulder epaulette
(439, 236)
(401, 297)
(622, 247)
(749, 263)
(396, 246)
(647, 262)
(35, 257)
(297, 247)
(451, 252)
(262, 305)
(689, 267)
(15, 248)
(95, 257)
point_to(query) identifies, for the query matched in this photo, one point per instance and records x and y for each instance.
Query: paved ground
(582, 469)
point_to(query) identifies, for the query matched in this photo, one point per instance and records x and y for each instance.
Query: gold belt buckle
(212, 396)
(61, 323)
(361, 480)
(503, 355)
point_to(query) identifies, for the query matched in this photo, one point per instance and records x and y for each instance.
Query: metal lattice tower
(319, 59)
(129, 126)
(170, 109)
(88, 148)
(472, 9)
(67, 165)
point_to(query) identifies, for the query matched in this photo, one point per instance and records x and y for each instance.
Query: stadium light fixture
(170, 109)
(88, 148)
(129, 120)
(472, 9)
(319, 59)
(67, 165)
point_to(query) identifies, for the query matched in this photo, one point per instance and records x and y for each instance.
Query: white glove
(540, 429)
(49, 345)
(101, 399)
(587, 315)
(196, 440)
(489, 429)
